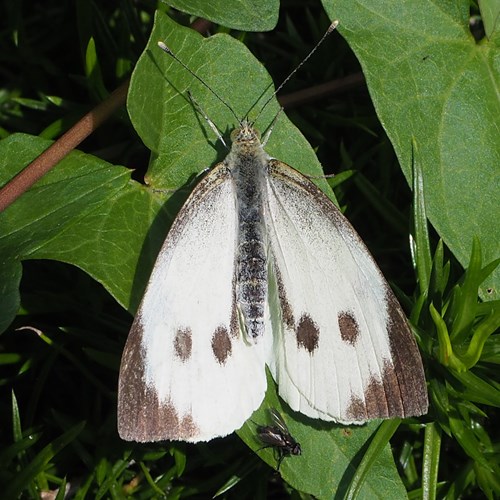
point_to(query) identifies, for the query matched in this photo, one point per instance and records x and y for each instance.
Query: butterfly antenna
(285, 81)
(169, 52)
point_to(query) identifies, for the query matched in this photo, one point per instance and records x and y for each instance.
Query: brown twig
(310, 94)
(64, 145)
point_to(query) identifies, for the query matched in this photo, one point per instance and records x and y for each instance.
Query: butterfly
(278, 436)
(260, 269)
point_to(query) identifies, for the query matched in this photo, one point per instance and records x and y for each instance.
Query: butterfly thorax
(247, 162)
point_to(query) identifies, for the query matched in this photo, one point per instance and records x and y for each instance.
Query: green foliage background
(435, 92)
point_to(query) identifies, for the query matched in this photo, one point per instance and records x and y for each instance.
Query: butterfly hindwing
(186, 373)
(342, 347)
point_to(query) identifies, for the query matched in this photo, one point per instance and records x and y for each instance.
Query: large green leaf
(431, 81)
(182, 142)
(255, 15)
(85, 212)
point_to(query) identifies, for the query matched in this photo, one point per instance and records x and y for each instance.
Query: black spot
(307, 333)
(221, 344)
(183, 344)
(349, 328)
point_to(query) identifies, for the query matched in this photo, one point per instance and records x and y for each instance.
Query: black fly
(278, 436)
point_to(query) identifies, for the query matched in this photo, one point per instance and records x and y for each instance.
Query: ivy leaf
(429, 79)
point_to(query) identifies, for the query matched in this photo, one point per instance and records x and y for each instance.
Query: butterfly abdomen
(251, 256)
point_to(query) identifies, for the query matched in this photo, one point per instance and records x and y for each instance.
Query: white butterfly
(260, 269)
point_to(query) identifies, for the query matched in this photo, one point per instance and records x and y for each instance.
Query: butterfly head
(245, 140)
(245, 134)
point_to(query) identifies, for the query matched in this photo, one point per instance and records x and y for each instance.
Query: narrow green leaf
(25, 477)
(430, 467)
(61, 493)
(478, 390)
(468, 441)
(17, 432)
(481, 334)
(17, 449)
(422, 248)
(93, 71)
(149, 479)
(377, 444)
(464, 313)
(439, 278)
(445, 354)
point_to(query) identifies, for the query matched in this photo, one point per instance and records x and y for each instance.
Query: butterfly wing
(342, 348)
(186, 373)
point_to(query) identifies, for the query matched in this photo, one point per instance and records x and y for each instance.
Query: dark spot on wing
(160, 421)
(286, 309)
(349, 328)
(142, 417)
(221, 344)
(183, 343)
(307, 333)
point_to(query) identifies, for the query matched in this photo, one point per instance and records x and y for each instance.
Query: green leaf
(490, 15)
(10, 278)
(430, 80)
(85, 212)
(331, 454)
(430, 467)
(464, 309)
(378, 443)
(19, 448)
(422, 247)
(16, 420)
(183, 144)
(478, 390)
(255, 15)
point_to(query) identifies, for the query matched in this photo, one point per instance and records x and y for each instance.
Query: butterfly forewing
(342, 348)
(186, 372)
